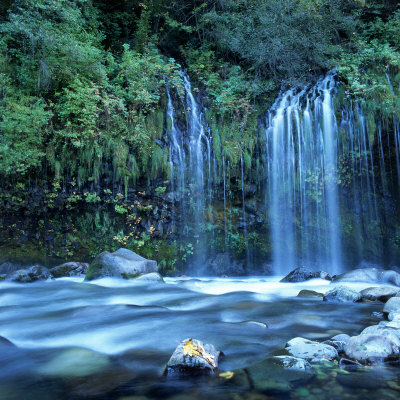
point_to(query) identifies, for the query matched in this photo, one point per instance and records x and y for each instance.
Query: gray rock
(383, 293)
(72, 268)
(342, 294)
(337, 344)
(342, 337)
(289, 362)
(151, 277)
(8, 267)
(310, 350)
(32, 274)
(392, 306)
(75, 362)
(394, 318)
(309, 293)
(123, 263)
(392, 333)
(302, 274)
(370, 275)
(279, 374)
(371, 348)
(181, 364)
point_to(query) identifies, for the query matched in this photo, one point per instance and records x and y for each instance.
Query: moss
(93, 272)
(130, 276)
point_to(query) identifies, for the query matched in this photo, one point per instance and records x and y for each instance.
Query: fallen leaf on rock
(192, 349)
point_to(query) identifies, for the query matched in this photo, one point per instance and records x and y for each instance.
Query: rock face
(69, 269)
(222, 264)
(369, 348)
(302, 274)
(32, 274)
(370, 275)
(192, 358)
(342, 294)
(123, 263)
(382, 294)
(392, 307)
(310, 350)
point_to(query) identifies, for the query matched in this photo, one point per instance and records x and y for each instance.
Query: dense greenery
(82, 82)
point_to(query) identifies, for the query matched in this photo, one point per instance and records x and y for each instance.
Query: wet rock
(279, 374)
(342, 337)
(289, 362)
(309, 293)
(69, 269)
(302, 274)
(85, 372)
(151, 277)
(8, 267)
(383, 330)
(369, 348)
(360, 379)
(347, 364)
(6, 342)
(201, 360)
(392, 307)
(377, 315)
(75, 362)
(32, 274)
(123, 263)
(383, 293)
(337, 344)
(342, 294)
(310, 350)
(370, 275)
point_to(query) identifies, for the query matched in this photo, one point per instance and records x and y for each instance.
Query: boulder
(342, 337)
(309, 293)
(342, 294)
(383, 330)
(123, 263)
(370, 275)
(392, 307)
(192, 357)
(310, 350)
(279, 374)
(32, 274)
(151, 277)
(339, 342)
(75, 362)
(369, 348)
(72, 268)
(382, 293)
(8, 267)
(302, 274)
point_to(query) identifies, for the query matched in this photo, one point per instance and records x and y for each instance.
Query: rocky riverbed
(112, 338)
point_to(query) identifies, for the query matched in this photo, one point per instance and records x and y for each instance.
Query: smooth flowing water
(111, 339)
(302, 139)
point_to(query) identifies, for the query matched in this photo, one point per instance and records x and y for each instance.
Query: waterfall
(302, 137)
(329, 173)
(190, 159)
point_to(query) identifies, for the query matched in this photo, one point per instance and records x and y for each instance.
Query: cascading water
(304, 213)
(190, 165)
(326, 181)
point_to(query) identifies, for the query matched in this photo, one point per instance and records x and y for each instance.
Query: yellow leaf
(192, 349)
(227, 375)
